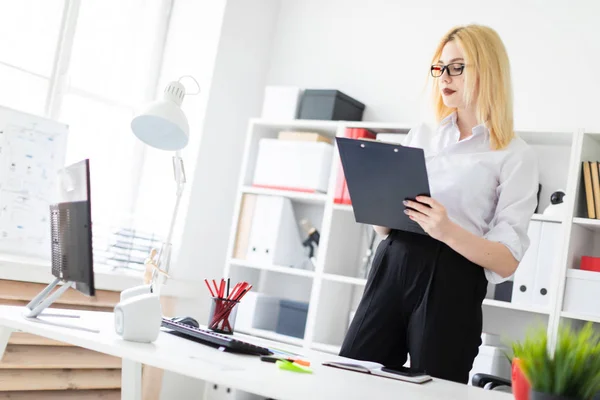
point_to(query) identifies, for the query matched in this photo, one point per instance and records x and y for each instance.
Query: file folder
(380, 176)
(524, 277)
(274, 234)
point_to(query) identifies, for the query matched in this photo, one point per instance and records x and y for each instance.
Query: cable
(195, 81)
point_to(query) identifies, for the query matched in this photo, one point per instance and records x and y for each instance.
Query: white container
(293, 165)
(397, 138)
(581, 292)
(281, 102)
(491, 360)
(257, 310)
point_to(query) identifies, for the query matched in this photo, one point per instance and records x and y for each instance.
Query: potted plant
(571, 372)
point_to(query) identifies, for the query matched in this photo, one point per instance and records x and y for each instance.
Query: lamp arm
(179, 173)
(164, 257)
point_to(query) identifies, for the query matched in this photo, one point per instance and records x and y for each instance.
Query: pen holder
(222, 315)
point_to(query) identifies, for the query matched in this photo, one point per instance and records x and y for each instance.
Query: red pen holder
(222, 315)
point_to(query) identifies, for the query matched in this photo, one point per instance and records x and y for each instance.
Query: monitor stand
(43, 300)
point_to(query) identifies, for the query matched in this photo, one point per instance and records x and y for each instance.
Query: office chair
(491, 382)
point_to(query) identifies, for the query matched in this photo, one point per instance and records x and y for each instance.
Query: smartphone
(403, 371)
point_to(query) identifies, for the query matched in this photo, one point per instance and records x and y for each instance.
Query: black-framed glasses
(453, 69)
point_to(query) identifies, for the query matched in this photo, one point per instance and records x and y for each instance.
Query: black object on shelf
(329, 105)
(504, 291)
(538, 198)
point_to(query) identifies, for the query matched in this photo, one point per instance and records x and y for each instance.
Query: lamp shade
(163, 124)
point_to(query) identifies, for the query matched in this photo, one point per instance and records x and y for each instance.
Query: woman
(424, 292)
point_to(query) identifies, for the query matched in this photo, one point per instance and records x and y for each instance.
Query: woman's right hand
(381, 230)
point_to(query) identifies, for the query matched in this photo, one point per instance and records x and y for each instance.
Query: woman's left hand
(431, 216)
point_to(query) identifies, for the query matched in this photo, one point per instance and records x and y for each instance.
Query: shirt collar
(450, 121)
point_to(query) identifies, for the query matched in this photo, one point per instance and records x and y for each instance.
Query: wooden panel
(63, 394)
(16, 290)
(152, 377)
(22, 303)
(44, 379)
(56, 357)
(30, 339)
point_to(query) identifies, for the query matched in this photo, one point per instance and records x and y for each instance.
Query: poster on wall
(32, 150)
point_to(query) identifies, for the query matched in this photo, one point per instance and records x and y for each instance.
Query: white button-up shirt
(491, 193)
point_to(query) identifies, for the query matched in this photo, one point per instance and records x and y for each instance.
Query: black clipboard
(380, 176)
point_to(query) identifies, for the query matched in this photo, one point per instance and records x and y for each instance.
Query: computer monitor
(71, 237)
(71, 228)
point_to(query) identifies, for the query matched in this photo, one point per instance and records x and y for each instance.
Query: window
(26, 65)
(90, 64)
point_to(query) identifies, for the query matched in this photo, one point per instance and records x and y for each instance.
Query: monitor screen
(71, 228)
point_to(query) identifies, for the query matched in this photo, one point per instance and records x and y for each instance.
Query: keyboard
(223, 342)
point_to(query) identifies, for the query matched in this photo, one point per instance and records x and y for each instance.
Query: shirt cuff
(505, 234)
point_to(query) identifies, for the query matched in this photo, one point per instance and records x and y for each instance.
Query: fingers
(427, 200)
(416, 215)
(418, 206)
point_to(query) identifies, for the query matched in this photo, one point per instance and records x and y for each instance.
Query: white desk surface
(241, 372)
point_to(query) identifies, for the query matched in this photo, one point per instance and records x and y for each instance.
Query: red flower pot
(520, 384)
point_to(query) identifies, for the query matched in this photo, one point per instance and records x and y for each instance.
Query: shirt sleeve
(410, 140)
(517, 199)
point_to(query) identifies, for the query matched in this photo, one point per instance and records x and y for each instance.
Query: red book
(355, 133)
(340, 187)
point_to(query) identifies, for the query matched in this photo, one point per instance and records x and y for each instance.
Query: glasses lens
(436, 71)
(455, 69)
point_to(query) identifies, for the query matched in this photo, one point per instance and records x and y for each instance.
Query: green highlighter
(293, 367)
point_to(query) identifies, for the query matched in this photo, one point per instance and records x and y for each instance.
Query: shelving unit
(334, 286)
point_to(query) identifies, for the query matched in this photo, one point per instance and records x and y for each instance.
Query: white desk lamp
(163, 125)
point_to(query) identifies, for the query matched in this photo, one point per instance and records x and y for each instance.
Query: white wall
(379, 52)
(232, 93)
(190, 49)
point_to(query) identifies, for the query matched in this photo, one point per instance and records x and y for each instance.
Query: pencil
(209, 289)
(227, 287)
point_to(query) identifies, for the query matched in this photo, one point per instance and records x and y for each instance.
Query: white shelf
(327, 348)
(343, 207)
(278, 337)
(517, 307)
(535, 217)
(303, 197)
(345, 279)
(545, 218)
(299, 124)
(589, 223)
(275, 268)
(581, 317)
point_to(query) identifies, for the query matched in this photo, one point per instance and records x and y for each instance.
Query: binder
(595, 186)
(589, 196)
(274, 235)
(244, 224)
(524, 278)
(380, 176)
(550, 242)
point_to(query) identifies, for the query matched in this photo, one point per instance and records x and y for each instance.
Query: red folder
(341, 189)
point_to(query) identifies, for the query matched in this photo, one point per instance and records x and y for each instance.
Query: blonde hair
(487, 78)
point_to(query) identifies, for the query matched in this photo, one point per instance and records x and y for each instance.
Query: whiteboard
(32, 150)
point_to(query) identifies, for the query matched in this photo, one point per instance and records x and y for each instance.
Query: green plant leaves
(574, 368)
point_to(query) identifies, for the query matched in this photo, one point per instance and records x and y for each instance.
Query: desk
(241, 372)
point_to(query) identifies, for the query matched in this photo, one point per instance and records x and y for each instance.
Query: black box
(329, 105)
(504, 291)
